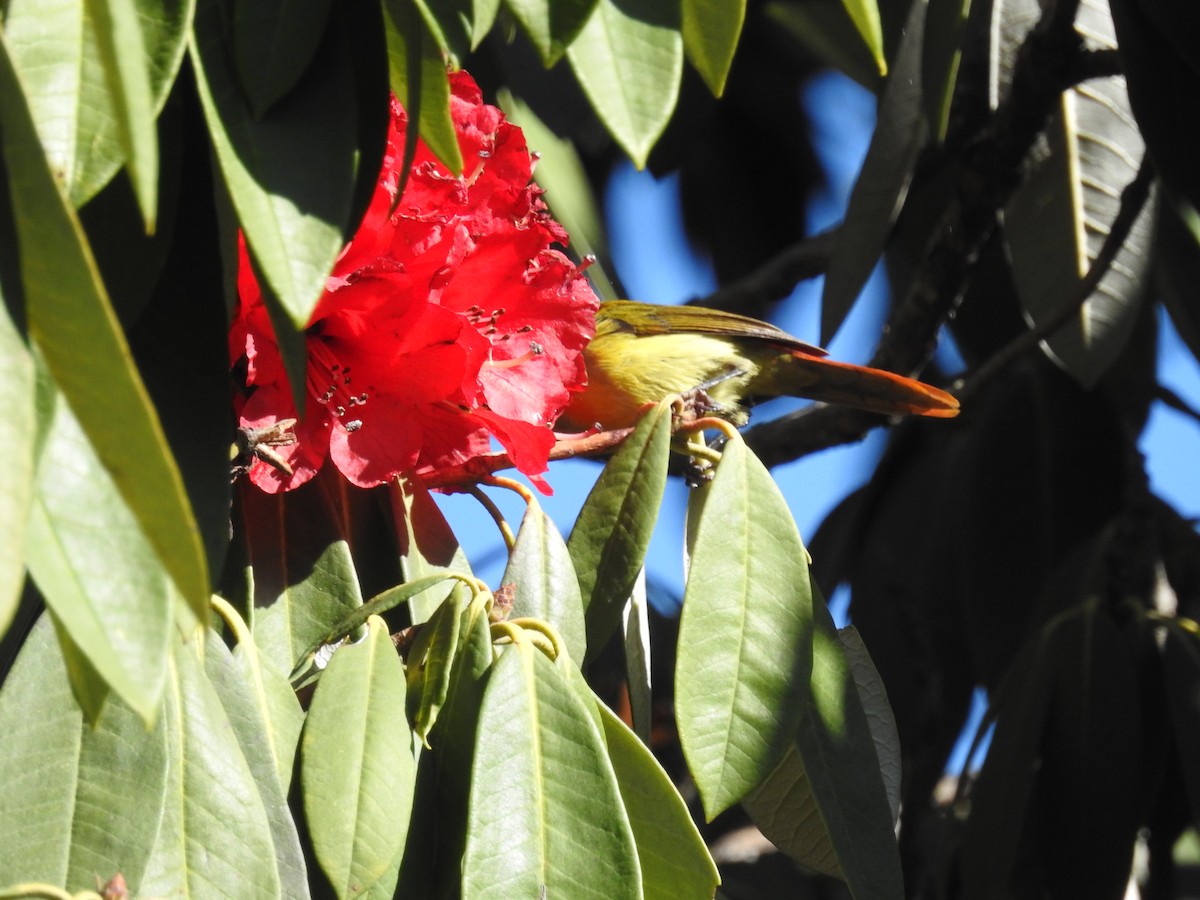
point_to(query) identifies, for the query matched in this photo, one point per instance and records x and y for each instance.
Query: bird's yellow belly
(627, 371)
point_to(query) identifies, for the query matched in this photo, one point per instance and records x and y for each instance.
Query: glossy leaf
(289, 173)
(266, 719)
(745, 633)
(545, 810)
(303, 573)
(546, 585)
(551, 25)
(427, 545)
(274, 41)
(75, 111)
(710, 35)
(357, 758)
(674, 860)
(418, 75)
(1056, 223)
(882, 185)
(122, 57)
(635, 627)
(79, 801)
(68, 310)
(96, 570)
(18, 430)
(430, 662)
(216, 837)
(609, 540)
(629, 60)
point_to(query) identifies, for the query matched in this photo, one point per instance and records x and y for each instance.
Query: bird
(643, 353)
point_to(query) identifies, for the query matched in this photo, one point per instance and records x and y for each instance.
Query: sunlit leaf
(545, 811)
(80, 802)
(609, 540)
(551, 24)
(540, 568)
(430, 662)
(357, 759)
(96, 570)
(825, 29)
(865, 16)
(674, 860)
(73, 324)
(710, 35)
(745, 633)
(18, 429)
(427, 545)
(289, 173)
(629, 61)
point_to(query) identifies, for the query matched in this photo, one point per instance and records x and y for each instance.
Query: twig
(1133, 200)
(1173, 400)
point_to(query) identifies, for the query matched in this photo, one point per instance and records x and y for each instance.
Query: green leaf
(430, 662)
(945, 23)
(427, 545)
(303, 574)
(638, 670)
(674, 860)
(274, 42)
(824, 29)
(609, 539)
(826, 804)
(882, 185)
(97, 571)
(460, 25)
(865, 16)
(72, 322)
(290, 173)
(1055, 224)
(266, 719)
(80, 802)
(418, 75)
(745, 633)
(545, 814)
(123, 59)
(357, 767)
(18, 430)
(546, 585)
(75, 111)
(216, 836)
(710, 34)
(872, 694)
(629, 60)
(551, 25)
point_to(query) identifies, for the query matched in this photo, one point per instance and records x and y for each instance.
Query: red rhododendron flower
(444, 324)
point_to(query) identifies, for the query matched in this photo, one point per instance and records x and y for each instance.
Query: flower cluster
(448, 320)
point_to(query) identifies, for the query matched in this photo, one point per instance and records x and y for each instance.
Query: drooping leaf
(274, 41)
(418, 76)
(1055, 224)
(68, 310)
(545, 812)
(551, 25)
(865, 16)
(97, 571)
(290, 173)
(635, 627)
(266, 718)
(629, 60)
(944, 25)
(674, 860)
(122, 56)
(547, 588)
(427, 545)
(872, 694)
(357, 758)
(609, 539)
(825, 29)
(80, 802)
(75, 111)
(430, 662)
(710, 35)
(882, 185)
(18, 429)
(745, 633)
(216, 836)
